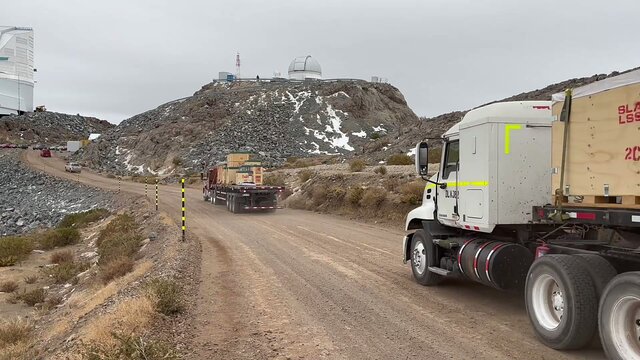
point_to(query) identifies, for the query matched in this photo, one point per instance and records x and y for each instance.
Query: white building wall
(16, 69)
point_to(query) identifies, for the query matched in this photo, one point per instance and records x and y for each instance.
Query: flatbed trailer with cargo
(542, 197)
(237, 184)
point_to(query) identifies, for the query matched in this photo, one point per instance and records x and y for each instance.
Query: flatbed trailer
(241, 198)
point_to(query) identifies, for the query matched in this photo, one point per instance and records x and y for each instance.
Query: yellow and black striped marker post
(156, 194)
(119, 180)
(145, 186)
(184, 210)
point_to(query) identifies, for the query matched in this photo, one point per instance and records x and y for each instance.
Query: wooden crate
(603, 147)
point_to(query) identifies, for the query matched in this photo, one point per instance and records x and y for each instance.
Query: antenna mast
(238, 66)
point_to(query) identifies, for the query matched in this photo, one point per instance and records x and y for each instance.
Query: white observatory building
(16, 70)
(305, 67)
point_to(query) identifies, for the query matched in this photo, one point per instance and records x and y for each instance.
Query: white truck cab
(496, 165)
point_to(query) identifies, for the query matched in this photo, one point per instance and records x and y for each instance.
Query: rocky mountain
(49, 128)
(433, 128)
(276, 120)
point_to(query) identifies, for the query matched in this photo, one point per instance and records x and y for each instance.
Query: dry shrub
(111, 176)
(132, 316)
(8, 286)
(65, 271)
(305, 175)
(336, 193)
(391, 184)
(31, 279)
(53, 301)
(412, 193)
(166, 295)
(373, 197)
(399, 159)
(22, 350)
(382, 170)
(115, 268)
(14, 331)
(82, 219)
(132, 348)
(294, 163)
(354, 195)
(273, 179)
(62, 257)
(319, 195)
(14, 249)
(33, 297)
(59, 237)
(357, 165)
(120, 238)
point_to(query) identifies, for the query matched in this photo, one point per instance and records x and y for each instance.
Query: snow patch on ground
(342, 140)
(339, 93)
(412, 152)
(379, 128)
(361, 134)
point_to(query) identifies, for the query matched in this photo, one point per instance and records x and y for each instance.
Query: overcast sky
(113, 59)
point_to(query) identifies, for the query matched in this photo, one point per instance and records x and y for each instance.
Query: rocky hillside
(434, 127)
(49, 128)
(30, 199)
(274, 119)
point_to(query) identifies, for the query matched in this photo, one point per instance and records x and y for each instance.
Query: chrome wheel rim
(547, 300)
(419, 258)
(625, 326)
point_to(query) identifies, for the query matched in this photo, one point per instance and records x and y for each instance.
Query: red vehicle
(45, 153)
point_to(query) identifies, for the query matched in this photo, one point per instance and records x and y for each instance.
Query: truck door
(448, 197)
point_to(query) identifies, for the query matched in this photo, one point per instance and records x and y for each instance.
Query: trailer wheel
(619, 317)
(561, 301)
(600, 269)
(423, 255)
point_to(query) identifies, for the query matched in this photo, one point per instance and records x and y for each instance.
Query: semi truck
(238, 184)
(542, 197)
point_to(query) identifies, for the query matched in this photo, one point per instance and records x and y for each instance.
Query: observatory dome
(305, 67)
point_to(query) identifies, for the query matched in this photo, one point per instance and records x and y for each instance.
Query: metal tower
(238, 66)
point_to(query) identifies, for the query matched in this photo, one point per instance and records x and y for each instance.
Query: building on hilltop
(305, 67)
(16, 70)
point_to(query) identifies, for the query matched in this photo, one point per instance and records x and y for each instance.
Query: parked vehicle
(72, 167)
(45, 153)
(238, 185)
(543, 197)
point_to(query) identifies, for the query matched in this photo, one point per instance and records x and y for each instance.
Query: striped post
(184, 210)
(145, 186)
(156, 194)
(119, 180)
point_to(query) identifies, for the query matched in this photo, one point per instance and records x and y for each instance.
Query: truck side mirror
(422, 158)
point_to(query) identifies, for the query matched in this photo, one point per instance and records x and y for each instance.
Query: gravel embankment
(30, 199)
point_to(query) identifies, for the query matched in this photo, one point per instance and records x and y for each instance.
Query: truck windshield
(451, 158)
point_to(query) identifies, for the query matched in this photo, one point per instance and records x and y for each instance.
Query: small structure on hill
(305, 67)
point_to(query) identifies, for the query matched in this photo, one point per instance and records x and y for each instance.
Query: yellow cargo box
(603, 143)
(238, 157)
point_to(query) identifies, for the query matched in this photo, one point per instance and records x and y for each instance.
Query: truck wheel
(423, 255)
(561, 301)
(620, 317)
(600, 269)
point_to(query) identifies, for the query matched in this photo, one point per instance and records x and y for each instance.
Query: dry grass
(59, 237)
(357, 165)
(14, 249)
(116, 268)
(382, 170)
(33, 297)
(82, 219)
(132, 348)
(132, 316)
(305, 175)
(399, 159)
(14, 331)
(8, 286)
(120, 238)
(435, 155)
(373, 197)
(354, 195)
(166, 295)
(274, 179)
(66, 271)
(412, 192)
(62, 257)
(31, 279)
(22, 350)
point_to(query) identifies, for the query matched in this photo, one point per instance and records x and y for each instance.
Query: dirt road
(295, 284)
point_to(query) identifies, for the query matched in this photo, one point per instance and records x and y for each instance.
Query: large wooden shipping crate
(603, 146)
